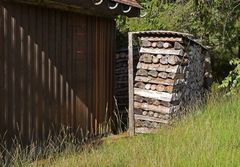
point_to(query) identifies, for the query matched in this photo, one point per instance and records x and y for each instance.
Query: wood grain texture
(51, 60)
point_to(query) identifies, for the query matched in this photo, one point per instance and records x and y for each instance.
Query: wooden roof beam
(106, 8)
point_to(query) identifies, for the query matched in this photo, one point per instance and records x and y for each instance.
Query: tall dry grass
(209, 136)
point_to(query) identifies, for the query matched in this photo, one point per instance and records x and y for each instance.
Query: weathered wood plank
(153, 94)
(130, 82)
(163, 39)
(163, 96)
(152, 119)
(162, 51)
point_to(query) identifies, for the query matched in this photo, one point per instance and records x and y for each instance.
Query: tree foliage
(232, 81)
(216, 23)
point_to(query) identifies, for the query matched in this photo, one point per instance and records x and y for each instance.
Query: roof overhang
(164, 33)
(104, 8)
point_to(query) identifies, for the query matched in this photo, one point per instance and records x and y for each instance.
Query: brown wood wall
(56, 69)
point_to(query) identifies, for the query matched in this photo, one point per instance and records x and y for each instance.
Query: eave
(103, 8)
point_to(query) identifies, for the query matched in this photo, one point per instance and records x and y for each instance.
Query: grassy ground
(209, 137)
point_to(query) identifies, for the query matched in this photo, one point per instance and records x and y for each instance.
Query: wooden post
(131, 129)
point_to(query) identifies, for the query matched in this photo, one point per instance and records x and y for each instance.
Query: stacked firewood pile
(121, 81)
(171, 72)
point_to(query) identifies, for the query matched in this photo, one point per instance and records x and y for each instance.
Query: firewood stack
(121, 81)
(171, 73)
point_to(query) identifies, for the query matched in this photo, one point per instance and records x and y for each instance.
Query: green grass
(209, 137)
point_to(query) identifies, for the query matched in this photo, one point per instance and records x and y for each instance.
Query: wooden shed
(56, 65)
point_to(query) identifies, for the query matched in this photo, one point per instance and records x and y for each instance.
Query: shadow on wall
(46, 74)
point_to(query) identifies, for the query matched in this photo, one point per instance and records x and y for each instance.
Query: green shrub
(232, 81)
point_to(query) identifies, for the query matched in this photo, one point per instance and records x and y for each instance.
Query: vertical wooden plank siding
(2, 101)
(56, 70)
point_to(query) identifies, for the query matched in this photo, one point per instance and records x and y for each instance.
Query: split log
(164, 60)
(154, 44)
(148, 86)
(142, 72)
(165, 117)
(167, 45)
(160, 44)
(155, 115)
(138, 111)
(173, 60)
(153, 108)
(146, 58)
(142, 65)
(153, 87)
(162, 67)
(145, 113)
(155, 59)
(174, 69)
(153, 66)
(169, 89)
(146, 43)
(178, 46)
(153, 73)
(162, 51)
(159, 56)
(138, 98)
(163, 75)
(160, 88)
(151, 113)
(140, 85)
(149, 100)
